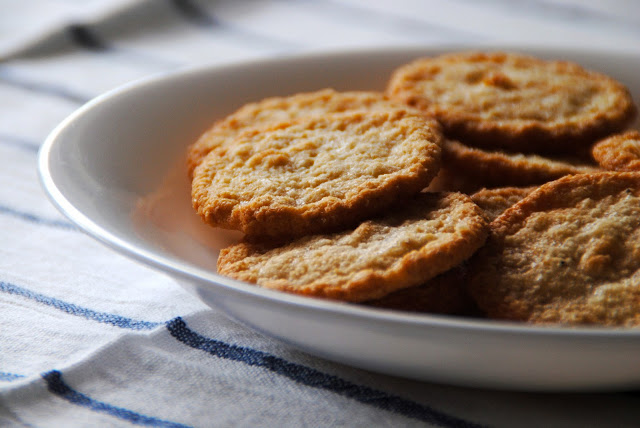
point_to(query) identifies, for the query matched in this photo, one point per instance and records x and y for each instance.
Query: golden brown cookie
(514, 102)
(499, 169)
(568, 253)
(316, 174)
(620, 152)
(430, 234)
(469, 169)
(278, 109)
(444, 294)
(495, 201)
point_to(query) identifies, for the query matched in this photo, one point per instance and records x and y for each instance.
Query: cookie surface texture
(513, 101)
(620, 152)
(278, 109)
(496, 201)
(427, 236)
(316, 174)
(569, 253)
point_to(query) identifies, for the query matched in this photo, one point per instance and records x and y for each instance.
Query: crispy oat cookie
(469, 169)
(496, 201)
(498, 168)
(430, 234)
(513, 101)
(316, 174)
(620, 152)
(278, 109)
(568, 253)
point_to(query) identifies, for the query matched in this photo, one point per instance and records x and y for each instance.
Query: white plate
(115, 168)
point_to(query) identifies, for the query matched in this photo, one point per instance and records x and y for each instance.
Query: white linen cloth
(91, 338)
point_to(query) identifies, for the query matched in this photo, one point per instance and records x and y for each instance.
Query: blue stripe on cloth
(42, 88)
(310, 377)
(564, 13)
(195, 14)
(19, 142)
(84, 37)
(392, 23)
(57, 386)
(10, 377)
(70, 308)
(37, 220)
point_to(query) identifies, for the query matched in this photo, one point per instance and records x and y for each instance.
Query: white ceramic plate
(115, 168)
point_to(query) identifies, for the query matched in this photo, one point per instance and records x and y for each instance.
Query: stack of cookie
(329, 189)
(513, 119)
(522, 140)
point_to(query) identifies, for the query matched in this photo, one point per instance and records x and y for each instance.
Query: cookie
(619, 152)
(316, 174)
(444, 294)
(427, 236)
(496, 201)
(278, 109)
(569, 253)
(469, 169)
(498, 168)
(514, 102)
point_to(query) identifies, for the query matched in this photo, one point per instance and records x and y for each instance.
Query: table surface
(85, 333)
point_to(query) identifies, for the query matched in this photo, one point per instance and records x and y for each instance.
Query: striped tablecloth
(90, 338)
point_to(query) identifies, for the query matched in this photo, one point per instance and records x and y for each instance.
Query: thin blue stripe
(71, 309)
(391, 23)
(313, 378)
(57, 386)
(84, 37)
(37, 220)
(195, 14)
(557, 11)
(20, 143)
(42, 88)
(10, 377)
